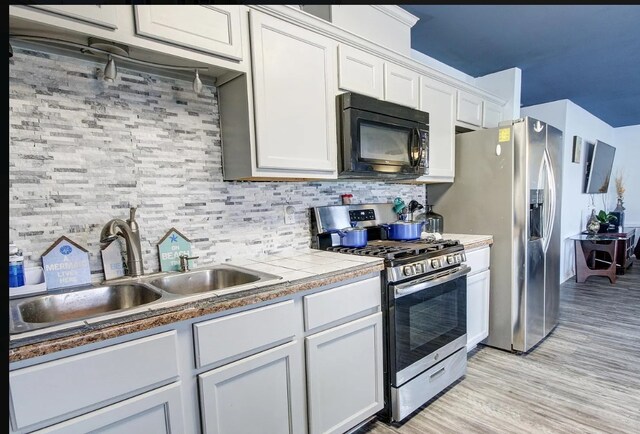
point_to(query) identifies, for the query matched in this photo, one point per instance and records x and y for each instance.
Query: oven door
(381, 146)
(427, 321)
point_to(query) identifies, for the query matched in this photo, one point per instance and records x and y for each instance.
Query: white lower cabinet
(62, 389)
(478, 286)
(237, 373)
(344, 375)
(262, 393)
(158, 411)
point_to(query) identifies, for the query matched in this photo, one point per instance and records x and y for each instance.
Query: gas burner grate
(396, 249)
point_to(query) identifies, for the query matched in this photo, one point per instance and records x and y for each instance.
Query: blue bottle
(16, 267)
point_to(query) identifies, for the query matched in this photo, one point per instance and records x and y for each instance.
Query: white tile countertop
(302, 264)
(470, 241)
(298, 271)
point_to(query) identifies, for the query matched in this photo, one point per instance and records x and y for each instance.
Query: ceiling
(587, 54)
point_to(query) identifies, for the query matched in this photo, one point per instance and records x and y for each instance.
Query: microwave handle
(416, 142)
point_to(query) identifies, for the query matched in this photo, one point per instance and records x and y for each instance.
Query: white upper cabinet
(209, 28)
(469, 108)
(100, 15)
(401, 85)
(491, 114)
(294, 83)
(360, 72)
(439, 100)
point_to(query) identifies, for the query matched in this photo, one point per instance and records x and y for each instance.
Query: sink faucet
(129, 231)
(184, 262)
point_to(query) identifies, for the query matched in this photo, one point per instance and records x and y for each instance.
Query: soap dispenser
(16, 267)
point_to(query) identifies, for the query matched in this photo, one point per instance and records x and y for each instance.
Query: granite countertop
(299, 271)
(470, 242)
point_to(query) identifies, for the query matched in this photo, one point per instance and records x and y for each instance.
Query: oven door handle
(438, 279)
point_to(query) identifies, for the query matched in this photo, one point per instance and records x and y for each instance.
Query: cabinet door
(477, 308)
(401, 85)
(469, 108)
(491, 114)
(81, 382)
(100, 15)
(344, 375)
(158, 411)
(263, 393)
(438, 99)
(294, 92)
(360, 72)
(209, 28)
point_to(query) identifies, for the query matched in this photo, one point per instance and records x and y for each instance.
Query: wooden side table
(602, 254)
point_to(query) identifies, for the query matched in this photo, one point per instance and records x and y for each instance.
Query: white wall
(627, 162)
(573, 120)
(507, 85)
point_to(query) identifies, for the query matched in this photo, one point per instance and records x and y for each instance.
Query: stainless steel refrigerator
(508, 184)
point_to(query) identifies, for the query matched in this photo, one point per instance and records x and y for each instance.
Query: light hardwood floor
(583, 378)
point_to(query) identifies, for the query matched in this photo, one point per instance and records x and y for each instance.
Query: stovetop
(410, 259)
(393, 250)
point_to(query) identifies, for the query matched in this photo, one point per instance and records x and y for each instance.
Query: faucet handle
(184, 262)
(133, 224)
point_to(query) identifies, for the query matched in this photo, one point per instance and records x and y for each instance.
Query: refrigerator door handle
(551, 201)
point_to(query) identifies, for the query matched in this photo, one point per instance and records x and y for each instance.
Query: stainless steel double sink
(73, 306)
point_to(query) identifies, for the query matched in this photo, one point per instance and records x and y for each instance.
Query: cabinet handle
(436, 374)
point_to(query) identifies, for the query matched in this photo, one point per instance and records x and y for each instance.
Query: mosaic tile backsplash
(82, 151)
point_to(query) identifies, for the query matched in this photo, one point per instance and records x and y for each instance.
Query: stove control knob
(419, 268)
(450, 259)
(463, 256)
(458, 258)
(435, 263)
(407, 270)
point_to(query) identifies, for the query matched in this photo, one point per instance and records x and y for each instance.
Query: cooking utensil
(398, 206)
(352, 237)
(434, 221)
(402, 231)
(413, 206)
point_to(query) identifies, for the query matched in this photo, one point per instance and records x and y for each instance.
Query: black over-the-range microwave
(381, 140)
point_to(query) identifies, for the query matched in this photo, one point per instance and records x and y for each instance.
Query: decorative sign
(66, 264)
(170, 247)
(112, 260)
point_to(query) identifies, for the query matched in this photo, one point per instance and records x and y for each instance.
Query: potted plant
(605, 219)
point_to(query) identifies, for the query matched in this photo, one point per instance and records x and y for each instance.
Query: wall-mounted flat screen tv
(598, 167)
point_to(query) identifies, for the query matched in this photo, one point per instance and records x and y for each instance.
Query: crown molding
(397, 13)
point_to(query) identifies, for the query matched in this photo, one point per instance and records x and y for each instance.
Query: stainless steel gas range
(424, 304)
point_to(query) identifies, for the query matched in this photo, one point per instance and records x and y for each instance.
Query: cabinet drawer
(244, 333)
(478, 260)
(85, 380)
(335, 304)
